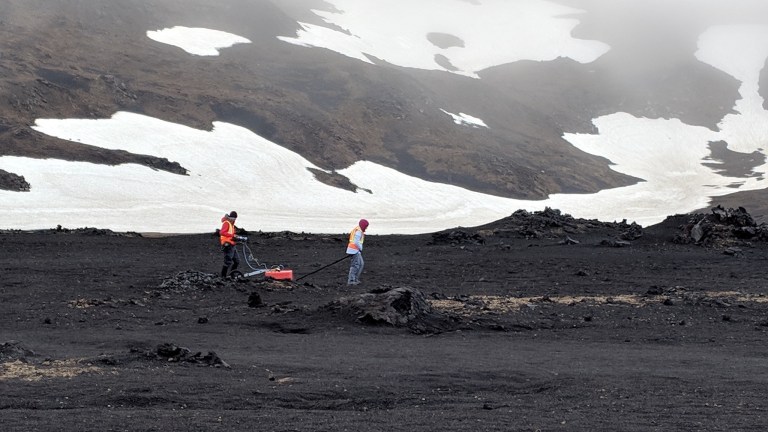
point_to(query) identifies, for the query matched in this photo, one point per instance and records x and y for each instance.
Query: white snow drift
(197, 41)
(397, 31)
(466, 119)
(229, 168)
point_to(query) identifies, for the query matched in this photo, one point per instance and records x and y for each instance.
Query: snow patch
(397, 31)
(668, 154)
(270, 186)
(196, 41)
(466, 119)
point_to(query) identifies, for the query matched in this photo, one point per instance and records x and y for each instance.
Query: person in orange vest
(355, 249)
(228, 239)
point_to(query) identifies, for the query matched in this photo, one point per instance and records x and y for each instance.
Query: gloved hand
(241, 238)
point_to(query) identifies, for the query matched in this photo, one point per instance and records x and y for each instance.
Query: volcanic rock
(190, 280)
(397, 307)
(14, 350)
(722, 228)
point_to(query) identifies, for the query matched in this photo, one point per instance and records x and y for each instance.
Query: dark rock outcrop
(546, 224)
(723, 228)
(397, 307)
(165, 352)
(14, 350)
(13, 182)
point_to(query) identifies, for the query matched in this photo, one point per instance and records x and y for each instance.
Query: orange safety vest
(352, 244)
(226, 236)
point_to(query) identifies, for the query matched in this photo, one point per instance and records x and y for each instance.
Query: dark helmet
(233, 214)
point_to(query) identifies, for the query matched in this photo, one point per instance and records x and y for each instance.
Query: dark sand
(522, 335)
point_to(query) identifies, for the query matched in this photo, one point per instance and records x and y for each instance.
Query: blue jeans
(355, 268)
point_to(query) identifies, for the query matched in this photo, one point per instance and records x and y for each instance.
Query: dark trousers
(230, 258)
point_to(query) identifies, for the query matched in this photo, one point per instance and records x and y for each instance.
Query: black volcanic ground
(536, 322)
(89, 59)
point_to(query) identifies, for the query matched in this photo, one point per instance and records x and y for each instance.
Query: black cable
(324, 267)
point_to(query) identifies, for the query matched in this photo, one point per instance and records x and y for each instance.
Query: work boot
(224, 271)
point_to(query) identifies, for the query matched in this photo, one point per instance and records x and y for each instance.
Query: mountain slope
(91, 59)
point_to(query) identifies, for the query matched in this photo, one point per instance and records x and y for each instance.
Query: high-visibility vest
(351, 243)
(227, 235)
